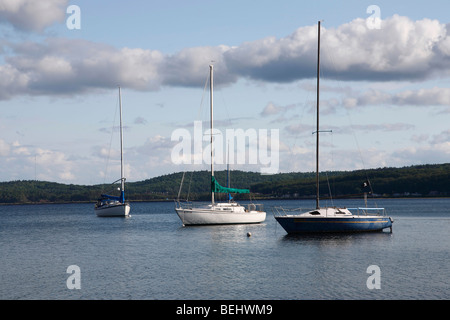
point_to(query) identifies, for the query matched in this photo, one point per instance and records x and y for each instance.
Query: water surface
(152, 256)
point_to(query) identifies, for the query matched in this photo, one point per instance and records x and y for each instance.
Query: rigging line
(189, 187)
(329, 189)
(331, 169)
(110, 143)
(203, 97)
(303, 106)
(222, 97)
(181, 186)
(359, 151)
(330, 57)
(199, 117)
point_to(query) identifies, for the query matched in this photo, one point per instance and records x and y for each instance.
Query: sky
(384, 80)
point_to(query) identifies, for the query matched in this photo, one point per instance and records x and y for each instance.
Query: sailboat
(330, 219)
(113, 206)
(213, 213)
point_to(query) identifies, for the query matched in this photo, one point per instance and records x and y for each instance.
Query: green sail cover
(217, 188)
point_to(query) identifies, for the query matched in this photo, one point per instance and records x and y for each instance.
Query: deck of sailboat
(332, 219)
(219, 213)
(116, 209)
(330, 212)
(220, 207)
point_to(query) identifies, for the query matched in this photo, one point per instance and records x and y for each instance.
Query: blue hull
(322, 225)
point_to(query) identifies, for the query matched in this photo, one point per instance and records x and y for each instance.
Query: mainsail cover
(217, 188)
(121, 198)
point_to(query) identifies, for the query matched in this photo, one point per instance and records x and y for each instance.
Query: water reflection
(337, 238)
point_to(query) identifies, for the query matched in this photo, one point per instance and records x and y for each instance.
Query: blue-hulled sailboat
(113, 206)
(330, 219)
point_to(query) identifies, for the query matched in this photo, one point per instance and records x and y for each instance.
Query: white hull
(219, 214)
(118, 210)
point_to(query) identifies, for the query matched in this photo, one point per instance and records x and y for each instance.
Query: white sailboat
(219, 213)
(113, 206)
(330, 219)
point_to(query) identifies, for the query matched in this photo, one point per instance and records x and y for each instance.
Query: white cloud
(422, 97)
(53, 164)
(272, 109)
(63, 66)
(12, 82)
(189, 67)
(4, 148)
(441, 138)
(386, 127)
(401, 49)
(426, 154)
(32, 15)
(32, 162)
(299, 128)
(427, 97)
(156, 144)
(401, 46)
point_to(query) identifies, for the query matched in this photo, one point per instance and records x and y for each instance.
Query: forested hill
(414, 181)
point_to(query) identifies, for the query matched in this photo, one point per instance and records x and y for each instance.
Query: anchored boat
(113, 206)
(218, 213)
(330, 219)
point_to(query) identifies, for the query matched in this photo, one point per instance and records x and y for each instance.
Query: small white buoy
(249, 234)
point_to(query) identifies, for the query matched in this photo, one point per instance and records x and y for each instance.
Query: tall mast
(211, 124)
(228, 170)
(317, 132)
(121, 146)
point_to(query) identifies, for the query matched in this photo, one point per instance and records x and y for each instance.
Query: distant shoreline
(414, 182)
(241, 200)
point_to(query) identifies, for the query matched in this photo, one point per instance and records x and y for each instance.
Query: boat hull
(215, 217)
(298, 224)
(116, 210)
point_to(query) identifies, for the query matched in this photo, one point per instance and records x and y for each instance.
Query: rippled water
(152, 256)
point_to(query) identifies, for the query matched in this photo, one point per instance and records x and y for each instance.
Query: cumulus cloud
(53, 163)
(401, 50)
(422, 97)
(189, 66)
(443, 137)
(438, 153)
(32, 15)
(62, 66)
(433, 96)
(296, 129)
(12, 82)
(34, 162)
(4, 148)
(272, 109)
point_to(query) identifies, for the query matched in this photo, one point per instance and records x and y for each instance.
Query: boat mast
(121, 150)
(317, 125)
(211, 124)
(228, 171)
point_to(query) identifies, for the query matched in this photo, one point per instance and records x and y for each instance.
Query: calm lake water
(152, 256)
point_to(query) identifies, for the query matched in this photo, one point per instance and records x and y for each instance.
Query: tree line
(413, 181)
